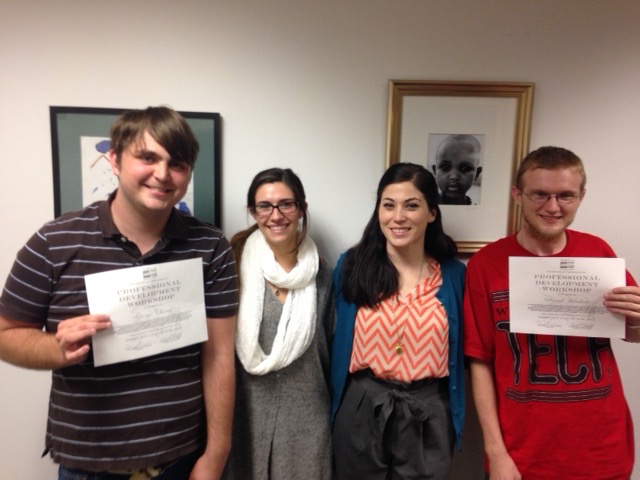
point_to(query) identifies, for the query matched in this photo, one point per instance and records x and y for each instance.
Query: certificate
(153, 309)
(563, 296)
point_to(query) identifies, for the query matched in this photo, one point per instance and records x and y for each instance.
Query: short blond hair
(551, 158)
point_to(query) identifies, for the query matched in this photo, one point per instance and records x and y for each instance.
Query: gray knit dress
(281, 425)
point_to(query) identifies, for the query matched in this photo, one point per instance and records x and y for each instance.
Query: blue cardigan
(449, 294)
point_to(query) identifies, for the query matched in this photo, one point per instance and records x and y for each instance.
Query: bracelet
(633, 326)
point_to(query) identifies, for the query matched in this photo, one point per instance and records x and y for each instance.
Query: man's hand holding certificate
(153, 309)
(563, 296)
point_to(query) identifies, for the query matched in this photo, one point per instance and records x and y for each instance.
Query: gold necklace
(277, 291)
(399, 345)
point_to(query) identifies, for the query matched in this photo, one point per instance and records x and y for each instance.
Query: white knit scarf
(295, 332)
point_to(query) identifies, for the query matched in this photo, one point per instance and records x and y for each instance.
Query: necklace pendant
(399, 349)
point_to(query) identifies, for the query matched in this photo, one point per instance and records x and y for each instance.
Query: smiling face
(546, 222)
(279, 230)
(150, 182)
(404, 215)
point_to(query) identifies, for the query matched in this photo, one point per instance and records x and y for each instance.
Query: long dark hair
(272, 175)
(369, 276)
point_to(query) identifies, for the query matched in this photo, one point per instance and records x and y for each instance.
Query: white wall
(304, 84)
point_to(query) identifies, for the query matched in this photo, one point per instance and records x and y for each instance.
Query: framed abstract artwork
(82, 174)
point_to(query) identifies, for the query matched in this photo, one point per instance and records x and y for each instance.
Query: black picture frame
(70, 124)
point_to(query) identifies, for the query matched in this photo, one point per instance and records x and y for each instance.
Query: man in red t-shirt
(550, 407)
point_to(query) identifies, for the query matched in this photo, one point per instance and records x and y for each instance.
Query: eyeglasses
(543, 197)
(266, 209)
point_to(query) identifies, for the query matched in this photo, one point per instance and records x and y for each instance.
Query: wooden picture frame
(497, 113)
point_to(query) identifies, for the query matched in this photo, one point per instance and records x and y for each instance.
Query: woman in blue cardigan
(397, 368)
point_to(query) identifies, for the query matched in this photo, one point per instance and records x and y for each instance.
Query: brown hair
(165, 125)
(272, 175)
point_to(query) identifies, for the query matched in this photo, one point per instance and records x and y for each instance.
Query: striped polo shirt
(132, 414)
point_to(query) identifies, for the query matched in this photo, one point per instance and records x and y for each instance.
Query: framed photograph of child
(472, 137)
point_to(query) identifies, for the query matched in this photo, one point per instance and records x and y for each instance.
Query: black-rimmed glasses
(543, 197)
(266, 209)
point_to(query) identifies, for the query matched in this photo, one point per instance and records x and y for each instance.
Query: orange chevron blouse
(404, 339)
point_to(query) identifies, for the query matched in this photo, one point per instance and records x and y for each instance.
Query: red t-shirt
(560, 400)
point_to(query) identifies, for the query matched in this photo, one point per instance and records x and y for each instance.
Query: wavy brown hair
(272, 175)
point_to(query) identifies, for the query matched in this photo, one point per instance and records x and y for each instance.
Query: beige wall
(304, 84)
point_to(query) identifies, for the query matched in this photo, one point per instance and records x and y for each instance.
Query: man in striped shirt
(167, 416)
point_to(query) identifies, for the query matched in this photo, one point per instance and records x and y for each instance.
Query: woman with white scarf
(285, 323)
